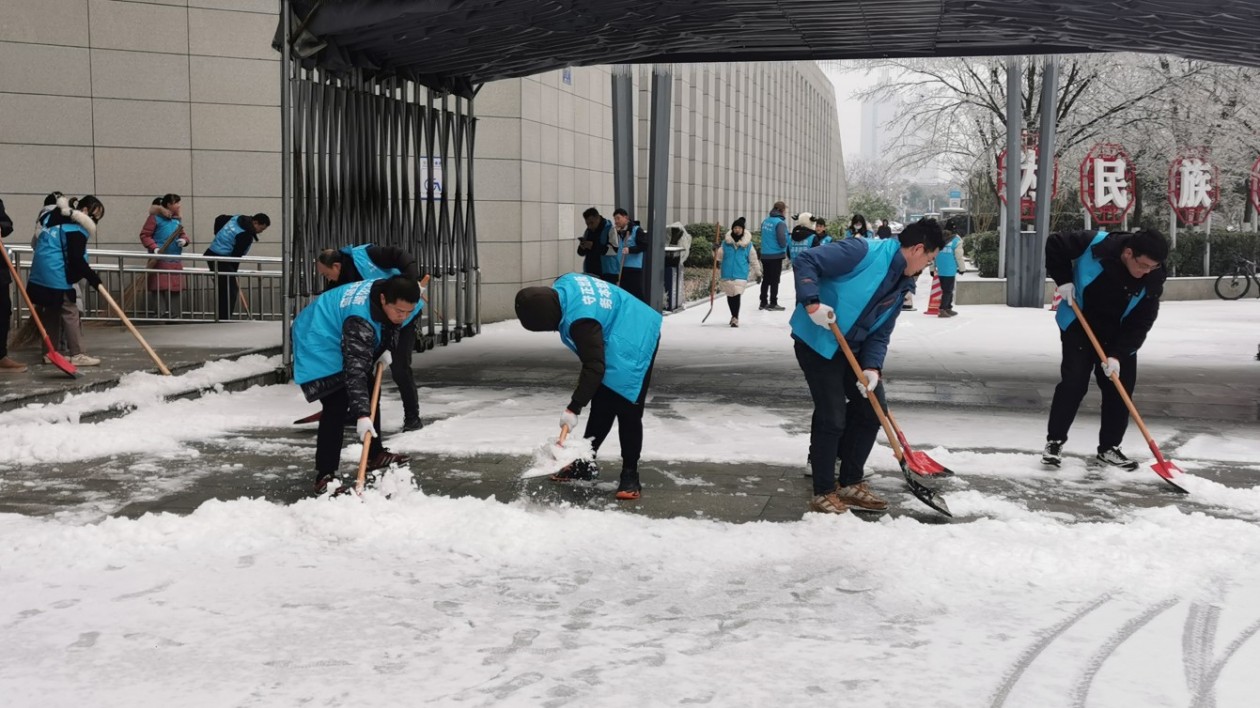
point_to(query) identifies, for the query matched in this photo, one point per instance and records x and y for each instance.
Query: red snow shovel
(367, 437)
(920, 463)
(1170, 472)
(53, 355)
(923, 493)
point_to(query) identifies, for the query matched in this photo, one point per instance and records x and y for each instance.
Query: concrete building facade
(131, 99)
(742, 137)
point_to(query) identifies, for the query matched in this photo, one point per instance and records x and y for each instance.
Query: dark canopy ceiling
(453, 45)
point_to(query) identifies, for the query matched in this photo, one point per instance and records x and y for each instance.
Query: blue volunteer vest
(769, 240)
(735, 261)
(48, 261)
(825, 240)
(796, 248)
(633, 260)
(609, 264)
(225, 239)
(849, 295)
(166, 227)
(1085, 269)
(946, 263)
(631, 328)
(317, 329)
(368, 270)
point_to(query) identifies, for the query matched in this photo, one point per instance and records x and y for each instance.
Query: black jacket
(359, 351)
(588, 338)
(800, 233)
(384, 256)
(6, 228)
(1106, 298)
(591, 246)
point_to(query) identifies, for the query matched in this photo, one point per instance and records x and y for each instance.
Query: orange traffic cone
(934, 303)
(1054, 306)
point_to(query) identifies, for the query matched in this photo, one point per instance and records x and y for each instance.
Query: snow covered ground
(426, 599)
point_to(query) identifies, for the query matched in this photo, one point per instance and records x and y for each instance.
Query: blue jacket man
(1116, 280)
(234, 235)
(858, 284)
(336, 340)
(616, 337)
(352, 264)
(774, 247)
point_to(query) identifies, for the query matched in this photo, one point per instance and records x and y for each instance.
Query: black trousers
(608, 406)
(229, 291)
(947, 291)
(632, 282)
(6, 323)
(733, 302)
(843, 426)
(772, 270)
(332, 421)
(401, 372)
(1079, 361)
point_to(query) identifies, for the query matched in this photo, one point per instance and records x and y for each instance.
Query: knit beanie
(538, 309)
(741, 223)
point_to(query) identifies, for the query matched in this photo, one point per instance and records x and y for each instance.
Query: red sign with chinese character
(1027, 178)
(1108, 179)
(1193, 185)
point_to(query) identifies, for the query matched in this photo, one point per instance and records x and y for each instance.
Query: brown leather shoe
(828, 504)
(860, 497)
(9, 366)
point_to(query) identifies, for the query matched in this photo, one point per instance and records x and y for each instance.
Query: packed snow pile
(426, 599)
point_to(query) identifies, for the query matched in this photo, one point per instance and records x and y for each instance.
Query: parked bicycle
(1236, 284)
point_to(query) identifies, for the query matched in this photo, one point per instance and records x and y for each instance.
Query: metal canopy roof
(452, 45)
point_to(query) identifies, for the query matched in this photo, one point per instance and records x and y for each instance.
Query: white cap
(805, 219)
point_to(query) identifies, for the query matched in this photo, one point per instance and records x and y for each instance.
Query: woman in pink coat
(163, 232)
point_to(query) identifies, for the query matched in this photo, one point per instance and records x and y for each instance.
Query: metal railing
(143, 291)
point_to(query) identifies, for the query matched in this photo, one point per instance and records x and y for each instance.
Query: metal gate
(389, 162)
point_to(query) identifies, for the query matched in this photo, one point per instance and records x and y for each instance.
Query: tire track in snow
(1081, 692)
(1197, 639)
(1205, 697)
(1031, 653)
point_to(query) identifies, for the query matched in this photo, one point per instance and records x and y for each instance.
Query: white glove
(183, 242)
(569, 418)
(1067, 291)
(364, 426)
(385, 358)
(423, 291)
(1112, 367)
(824, 316)
(872, 380)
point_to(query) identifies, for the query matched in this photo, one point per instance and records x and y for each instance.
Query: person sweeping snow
(738, 259)
(1116, 280)
(337, 340)
(857, 284)
(616, 337)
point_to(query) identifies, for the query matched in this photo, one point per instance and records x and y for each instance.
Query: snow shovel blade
(1170, 472)
(919, 462)
(924, 493)
(62, 363)
(312, 418)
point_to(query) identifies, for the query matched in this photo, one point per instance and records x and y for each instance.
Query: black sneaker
(580, 470)
(1053, 454)
(1112, 456)
(762, 306)
(629, 488)
(776, 308)
(413, 424)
